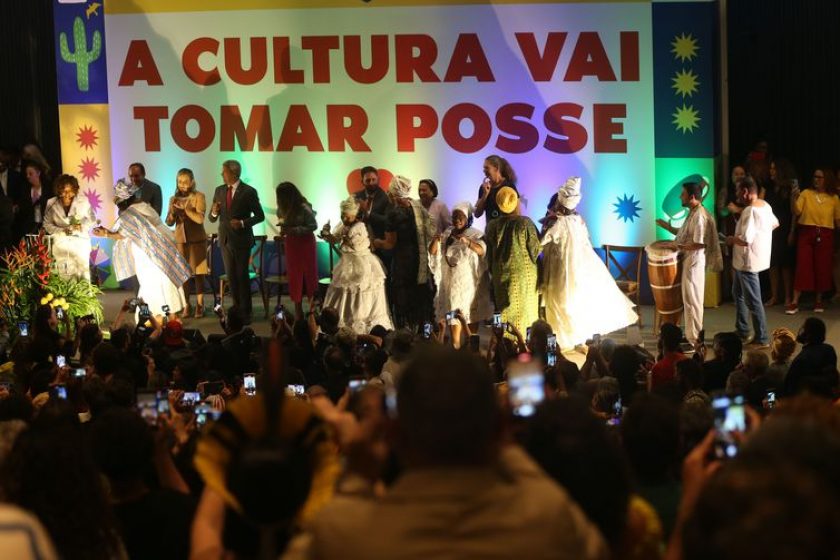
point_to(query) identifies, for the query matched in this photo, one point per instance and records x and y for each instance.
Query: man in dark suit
(237, 207)
(31, 205)
(7, 219)
(375, 204)
(148, 191)
(12, 183)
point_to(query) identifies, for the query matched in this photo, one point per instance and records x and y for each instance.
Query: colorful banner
(311, 91)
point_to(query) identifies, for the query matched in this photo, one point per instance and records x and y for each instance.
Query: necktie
(229, 197)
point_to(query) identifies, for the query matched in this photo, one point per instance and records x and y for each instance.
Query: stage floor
(718, 319)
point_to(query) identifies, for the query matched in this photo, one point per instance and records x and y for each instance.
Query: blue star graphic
(627, 208)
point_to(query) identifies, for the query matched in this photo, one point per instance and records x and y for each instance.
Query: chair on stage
(255, 271)
(626, 274)
(281, 278)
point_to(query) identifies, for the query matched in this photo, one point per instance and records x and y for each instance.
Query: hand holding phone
(730, 418)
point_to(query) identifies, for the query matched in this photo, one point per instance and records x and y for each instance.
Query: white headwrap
(400, 186)
(123, 190)
(569, 194)
(465, 208)
(349, 206)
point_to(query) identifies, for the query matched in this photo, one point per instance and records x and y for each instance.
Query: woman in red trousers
(297, 227)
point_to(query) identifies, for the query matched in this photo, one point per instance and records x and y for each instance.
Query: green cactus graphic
(83, 57)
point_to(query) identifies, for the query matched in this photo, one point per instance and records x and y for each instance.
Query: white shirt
(755, 227)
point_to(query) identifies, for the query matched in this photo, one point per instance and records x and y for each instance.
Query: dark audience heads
(328, 321)
(538, 339)
(670, 335)
(448, 411)
(728, 347)
(624, 366)
(812, 331)
(651, 436)
(374, 361)
(234, 320)
(689, 375)
(51, 473)
(575, 448)
(122, 444)
(107, 359)
(16, 407)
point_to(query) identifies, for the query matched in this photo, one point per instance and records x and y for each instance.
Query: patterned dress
(513, 246)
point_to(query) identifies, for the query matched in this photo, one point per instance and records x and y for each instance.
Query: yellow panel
(86, 153)
(152, 6)
(712, 293)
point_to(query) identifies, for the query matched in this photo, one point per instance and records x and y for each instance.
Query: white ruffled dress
(357, 289)
(464, 282)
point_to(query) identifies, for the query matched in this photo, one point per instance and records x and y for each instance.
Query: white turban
(400, 186)
(569, 194)
(124, 190)
(349, 206)
(465, 208)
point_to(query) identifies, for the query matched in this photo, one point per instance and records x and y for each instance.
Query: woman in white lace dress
(581, 296)
(458, 260)
(357, 289)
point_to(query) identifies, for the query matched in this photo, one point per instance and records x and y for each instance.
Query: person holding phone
(580, 295)
(146, 248)
(458, 256)
(357, 290)
(187, 208)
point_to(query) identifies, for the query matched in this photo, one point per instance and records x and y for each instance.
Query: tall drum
(664, 273)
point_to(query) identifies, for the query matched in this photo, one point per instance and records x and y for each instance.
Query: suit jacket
(25, 220)
(380, 204)
(189, 228)
(7, 219)
(244, 206)
(15, 185)
(151, 193)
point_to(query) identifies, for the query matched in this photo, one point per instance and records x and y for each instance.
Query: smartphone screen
(357, 384)
(525, 389)
(163, 405)
(497, 319)
(147, 406)
(551, 359)
(23, 327)
(59, 313)
(450, 315)
(551, 345)
(144, 310)
(165, 309)
(770, 401)
(427, 330)
(250, 384)
(79, 372)
(730, 417)
(60, 392)
(60, 360)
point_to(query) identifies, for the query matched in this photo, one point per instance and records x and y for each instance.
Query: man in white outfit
(751, 247)
(697, 240)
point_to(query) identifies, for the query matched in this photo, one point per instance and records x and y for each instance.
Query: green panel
(670, 174)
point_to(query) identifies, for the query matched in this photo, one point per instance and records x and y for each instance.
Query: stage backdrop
(309, 91)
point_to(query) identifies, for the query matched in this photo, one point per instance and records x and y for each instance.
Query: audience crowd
(144, 439)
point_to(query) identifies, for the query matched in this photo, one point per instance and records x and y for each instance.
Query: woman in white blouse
(68, 218)
(428, 191)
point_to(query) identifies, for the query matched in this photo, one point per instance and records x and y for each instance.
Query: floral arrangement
(27, 279)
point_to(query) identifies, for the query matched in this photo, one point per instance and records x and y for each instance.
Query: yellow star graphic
(685, 47)
(686, 119)
(685, 83)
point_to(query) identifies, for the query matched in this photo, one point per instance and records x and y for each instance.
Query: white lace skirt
(357, 292)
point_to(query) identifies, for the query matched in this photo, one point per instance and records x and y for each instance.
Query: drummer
(697, 240)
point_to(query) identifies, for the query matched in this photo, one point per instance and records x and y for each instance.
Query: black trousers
(236, 267)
